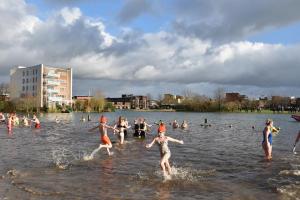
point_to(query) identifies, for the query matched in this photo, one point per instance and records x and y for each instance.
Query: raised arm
(113, 128)
(148, 146)
(175, 140)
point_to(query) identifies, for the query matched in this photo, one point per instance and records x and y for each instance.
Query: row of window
(27, 88)
(34, 72)
(34, 80)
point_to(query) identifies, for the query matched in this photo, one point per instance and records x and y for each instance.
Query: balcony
(55, 99)
(52, 82)
(51, 75)
(52, 91)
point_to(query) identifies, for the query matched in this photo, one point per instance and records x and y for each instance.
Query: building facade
(46, 86)
(129, 102)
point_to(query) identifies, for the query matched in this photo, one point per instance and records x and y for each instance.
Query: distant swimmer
(9, 123)
(206, 124)
(25, 121)
(296, 141)
(184, 125)
(89, 118)
(82, 119)
(36, 121)
(56, 120)
(165, 152)
(121, 126)
(106, 143)
(267, 139)
(175, 124)
(2, 118)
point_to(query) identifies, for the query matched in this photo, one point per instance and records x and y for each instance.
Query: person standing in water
(143, 127)
(175, 124)
(296, 141)
(165, 152)
(267, 139)
(2, 118)
(121, 126)
(184, 125)
(106, 143)
(9, 123)
(36, 122)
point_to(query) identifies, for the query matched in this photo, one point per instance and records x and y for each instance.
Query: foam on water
(290, 172)
(290, 191)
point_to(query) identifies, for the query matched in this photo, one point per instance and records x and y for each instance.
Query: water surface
(216, 162)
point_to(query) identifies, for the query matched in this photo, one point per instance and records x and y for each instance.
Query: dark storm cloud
(232, 20)
(133, 9)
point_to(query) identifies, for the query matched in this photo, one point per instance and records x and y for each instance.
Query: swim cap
(162, 128)
(103, 119)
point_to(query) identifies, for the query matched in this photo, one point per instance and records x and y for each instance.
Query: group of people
(175, 124)
(140, 128)
(13, 120)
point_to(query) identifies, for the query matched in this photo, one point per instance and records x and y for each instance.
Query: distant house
(234, 97)
(129, 101)
(171, 101)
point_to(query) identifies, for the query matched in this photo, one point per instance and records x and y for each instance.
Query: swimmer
(2, 118)
(184, 125)
(9, 123)
(56, 120)
(136, 128)
(106, 143)
(143, 127)
(82, 119)
(175, 124)
(121, 126)
(296, 141)
(267, 139)
(25, 121)
(36, 121)
(165, 152)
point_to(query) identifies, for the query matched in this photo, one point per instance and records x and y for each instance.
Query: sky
(158, 46)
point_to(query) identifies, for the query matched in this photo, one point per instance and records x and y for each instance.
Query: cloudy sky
(158, 46)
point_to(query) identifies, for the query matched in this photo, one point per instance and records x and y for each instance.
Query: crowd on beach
(140, 130)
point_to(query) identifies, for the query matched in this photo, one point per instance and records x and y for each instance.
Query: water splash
(63, 158)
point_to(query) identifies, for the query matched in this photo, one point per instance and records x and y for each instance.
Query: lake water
(216, 162)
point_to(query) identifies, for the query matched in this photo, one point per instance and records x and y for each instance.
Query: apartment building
(45, 85)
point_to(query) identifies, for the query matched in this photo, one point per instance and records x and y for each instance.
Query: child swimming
(106, 143)
(165, 152)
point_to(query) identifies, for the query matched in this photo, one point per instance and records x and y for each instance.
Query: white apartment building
(46, 85)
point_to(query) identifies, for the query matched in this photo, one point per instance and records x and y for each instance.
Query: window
(33, 94)
(33, 79)
(26, 80)
(23, 81)
(33, 87)
(27, 73)
(26, 87)
(23, 88)
(36, 71)
(33, 72)
(23, 73)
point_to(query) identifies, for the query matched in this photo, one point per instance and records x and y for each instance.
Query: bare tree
(220, 96)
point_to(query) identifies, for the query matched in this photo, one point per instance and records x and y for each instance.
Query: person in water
(2, 118)
(106, 143)
(175, 124)
(184, 125)
(25, 121)
(165, 152)
(296, 141)
(136, 128)
(143, 127)
(36, 122)
(9, 123)
(121, 126)
(267, 139)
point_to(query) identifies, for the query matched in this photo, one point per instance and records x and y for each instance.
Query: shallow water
(216, 162)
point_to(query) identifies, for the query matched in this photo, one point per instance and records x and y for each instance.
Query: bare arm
(92, 129)
(175, 140)
(148, 146)
(113, 128)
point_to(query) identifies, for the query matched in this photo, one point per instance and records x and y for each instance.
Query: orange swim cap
(162, 128)
(103, 119)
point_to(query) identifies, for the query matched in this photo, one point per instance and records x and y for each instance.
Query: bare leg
(121, 137)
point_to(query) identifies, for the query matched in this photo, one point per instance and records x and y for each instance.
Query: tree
(220, 96)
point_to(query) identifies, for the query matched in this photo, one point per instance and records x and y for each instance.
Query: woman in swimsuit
(121, 126)
(267, 139)
(165, 152)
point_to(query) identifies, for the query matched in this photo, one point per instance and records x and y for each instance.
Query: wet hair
(269, 121)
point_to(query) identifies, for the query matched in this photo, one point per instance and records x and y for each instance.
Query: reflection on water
(223, 161)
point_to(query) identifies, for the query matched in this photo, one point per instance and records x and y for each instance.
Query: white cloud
(70, 38)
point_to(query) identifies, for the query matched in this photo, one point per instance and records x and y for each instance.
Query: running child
(106, 143)
(165, 152)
